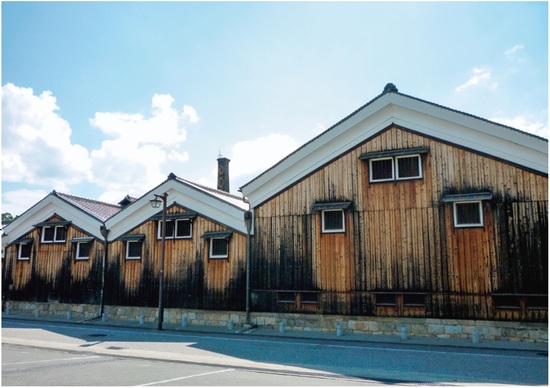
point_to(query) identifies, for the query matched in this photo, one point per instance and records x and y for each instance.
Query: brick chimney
(223, 173)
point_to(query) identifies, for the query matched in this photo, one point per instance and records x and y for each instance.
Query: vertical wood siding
(400, 235)
(52, 273)
(192, 280)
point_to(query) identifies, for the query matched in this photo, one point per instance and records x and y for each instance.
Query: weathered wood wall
(192, 280)
(400, 236)
(52, 273)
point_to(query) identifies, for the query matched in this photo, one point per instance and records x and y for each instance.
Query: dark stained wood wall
(192, 280)
(400, 236)
(52, 273)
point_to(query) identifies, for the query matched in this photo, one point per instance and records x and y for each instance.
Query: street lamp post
(248, 224)
(155, 203)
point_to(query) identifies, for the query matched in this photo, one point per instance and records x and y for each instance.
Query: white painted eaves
(184, 194)
(43, 210)
(394, 108)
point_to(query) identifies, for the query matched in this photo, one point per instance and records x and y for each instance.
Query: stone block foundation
(420, 327)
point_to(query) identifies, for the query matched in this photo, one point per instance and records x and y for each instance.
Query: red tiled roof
(98, 209)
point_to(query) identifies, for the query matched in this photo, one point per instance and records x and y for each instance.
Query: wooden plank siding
(192, 280)
(52, 273)
(400, 237)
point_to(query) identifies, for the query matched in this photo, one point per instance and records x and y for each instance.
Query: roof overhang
(180, 193)
(389, 109)
(43, 210)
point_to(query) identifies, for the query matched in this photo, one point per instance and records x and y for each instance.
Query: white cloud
(162, 128)
(190, 114)
(525, 124)
(138, 155)
(37, 147)
(254, 156)
(16, 202)
(515, 53)
(481, 77)
(143, 150)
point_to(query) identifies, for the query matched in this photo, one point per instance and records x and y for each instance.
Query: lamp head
(155, 203)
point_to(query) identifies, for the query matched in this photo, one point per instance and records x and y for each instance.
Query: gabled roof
(394, 108)
(222, 195)
(100, 210)
(88, 215)
(219, 206)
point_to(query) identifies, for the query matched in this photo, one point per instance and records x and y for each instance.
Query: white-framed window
(381, 170)
(395, 165)
(219, 248)
(468, 208)
(333, 221)
(176, 229)
(218, 244)
(468, 214)
(133, 245)
(332, 215)
(133, 249)
(24, 251)
(395, 168)
(53, 234)
(408, 167)
(83, 249)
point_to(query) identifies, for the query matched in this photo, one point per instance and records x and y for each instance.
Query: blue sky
(104, 99)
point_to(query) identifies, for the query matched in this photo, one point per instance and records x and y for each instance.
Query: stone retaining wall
(422, 327)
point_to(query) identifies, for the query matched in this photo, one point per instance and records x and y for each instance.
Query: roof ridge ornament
(390, 88)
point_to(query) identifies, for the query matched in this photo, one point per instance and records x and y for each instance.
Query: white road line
(54, 360)
(186, 377)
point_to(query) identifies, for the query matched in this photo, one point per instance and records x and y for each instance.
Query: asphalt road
(41, 353)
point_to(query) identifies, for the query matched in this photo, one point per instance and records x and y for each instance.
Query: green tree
(6, 217)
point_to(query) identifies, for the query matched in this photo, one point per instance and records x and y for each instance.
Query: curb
(298, 335)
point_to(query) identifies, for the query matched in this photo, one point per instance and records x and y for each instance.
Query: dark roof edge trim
(399, 152)
(175, 216)
(53, 223)
(217, 235)
(23, 241)
(132, 237)
(484, 196)
(81, 239)
(330, 206)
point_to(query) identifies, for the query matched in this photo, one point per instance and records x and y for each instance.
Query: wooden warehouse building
(74, 250)
(405, 208)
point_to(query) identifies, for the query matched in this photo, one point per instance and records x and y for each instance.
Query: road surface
(42, 353)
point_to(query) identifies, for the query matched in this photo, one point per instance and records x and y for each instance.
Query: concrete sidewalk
(294, 334)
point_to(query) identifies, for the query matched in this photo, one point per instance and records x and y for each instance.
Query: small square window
(468, 214)
(381, 169)
(170, 226)
(48, 233)
(51, 234)
(219, 248)
(176, 229)
(538, 302)
(333, 221)
(133, 250)
(408, 167)
(310, 298)
(507, 302)
(184, 228)
(414, 300)
(83, 250)
(24, 251)
(286, 297)
(386, 300)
